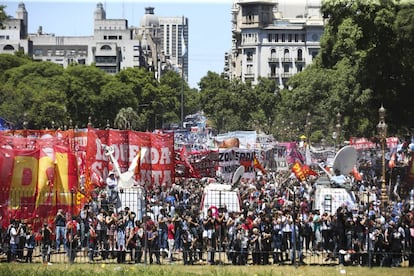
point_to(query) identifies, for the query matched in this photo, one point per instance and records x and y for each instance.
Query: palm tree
(126, 118)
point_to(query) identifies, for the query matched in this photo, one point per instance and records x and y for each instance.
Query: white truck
(330, 199)
(217, 196)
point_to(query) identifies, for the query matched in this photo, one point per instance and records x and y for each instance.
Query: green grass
(181, 270)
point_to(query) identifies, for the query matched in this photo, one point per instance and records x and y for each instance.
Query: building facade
(265, 44)
(113, 46)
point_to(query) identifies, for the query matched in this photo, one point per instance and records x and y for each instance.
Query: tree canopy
(44, 92)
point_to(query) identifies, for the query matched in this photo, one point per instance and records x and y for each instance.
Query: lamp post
(25, 124)
(382, 132)
(307, 127)
(338, 129)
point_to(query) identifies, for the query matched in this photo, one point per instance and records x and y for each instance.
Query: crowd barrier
(140, 202)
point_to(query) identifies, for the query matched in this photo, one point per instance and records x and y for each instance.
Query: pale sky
(209, 23)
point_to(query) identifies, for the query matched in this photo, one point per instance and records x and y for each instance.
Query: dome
(149, 19)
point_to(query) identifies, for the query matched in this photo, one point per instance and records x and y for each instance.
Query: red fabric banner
(157, 163)
(35, 182)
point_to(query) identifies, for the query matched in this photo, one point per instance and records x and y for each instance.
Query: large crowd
(274, 226)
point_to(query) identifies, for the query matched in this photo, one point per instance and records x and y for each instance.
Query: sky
(209, 23)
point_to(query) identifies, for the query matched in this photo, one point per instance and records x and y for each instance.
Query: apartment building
(265, 44)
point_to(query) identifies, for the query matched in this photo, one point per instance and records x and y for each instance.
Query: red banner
(40, 171)
(157, 163)
(36, 181)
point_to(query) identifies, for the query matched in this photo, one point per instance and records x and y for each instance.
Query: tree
(37, 90)
(83, 94)
(126, 118)
(361, 65)
(113, 97)
(3, 16)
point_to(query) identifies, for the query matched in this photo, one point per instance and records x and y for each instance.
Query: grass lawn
(181, 270)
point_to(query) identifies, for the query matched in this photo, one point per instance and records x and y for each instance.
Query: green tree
(3, 15)
(361, 65)
(126, 118)
(113, 97)
(84, 94)
(37, 90)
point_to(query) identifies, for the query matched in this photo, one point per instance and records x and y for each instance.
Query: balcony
(273, 60)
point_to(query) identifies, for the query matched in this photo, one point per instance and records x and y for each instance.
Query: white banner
(231, 159)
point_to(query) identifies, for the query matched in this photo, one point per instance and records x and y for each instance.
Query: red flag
(356, 174)
(184, 158)
(308, 171)
(391, 163)
(137, 170)
(298, 170)
(257, 165)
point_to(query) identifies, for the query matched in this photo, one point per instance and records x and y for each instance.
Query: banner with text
(230, 159)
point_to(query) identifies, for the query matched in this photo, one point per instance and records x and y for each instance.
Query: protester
(30, 245)
(46, 234)
(60, 229)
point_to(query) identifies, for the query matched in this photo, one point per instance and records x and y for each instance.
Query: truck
(216, 196)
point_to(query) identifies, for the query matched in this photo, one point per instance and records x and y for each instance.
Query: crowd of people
(273, 227)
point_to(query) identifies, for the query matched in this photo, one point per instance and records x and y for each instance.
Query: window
(286, 55)
(300, 57)
(273, 71)
(286, 68)
(290, 37)
(71, 52)
(269, 37)
(276, 37)
(249, 69)
(8, 47)
(250, 18)
(296, 38)
(283, 37)
(38, 52)
(106, 47)
(112, 37)
(60, 52)
(105, 59)
(273, 53)
(249, 56)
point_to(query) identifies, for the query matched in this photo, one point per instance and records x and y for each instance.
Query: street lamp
(25, 124)
(338, 129)
(382, 132)
(307, 127)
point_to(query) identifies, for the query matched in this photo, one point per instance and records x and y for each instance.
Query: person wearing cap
(112, 190)
(111, 181)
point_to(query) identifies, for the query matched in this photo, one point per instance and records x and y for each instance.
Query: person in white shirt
(112, 185)
(13, 229)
